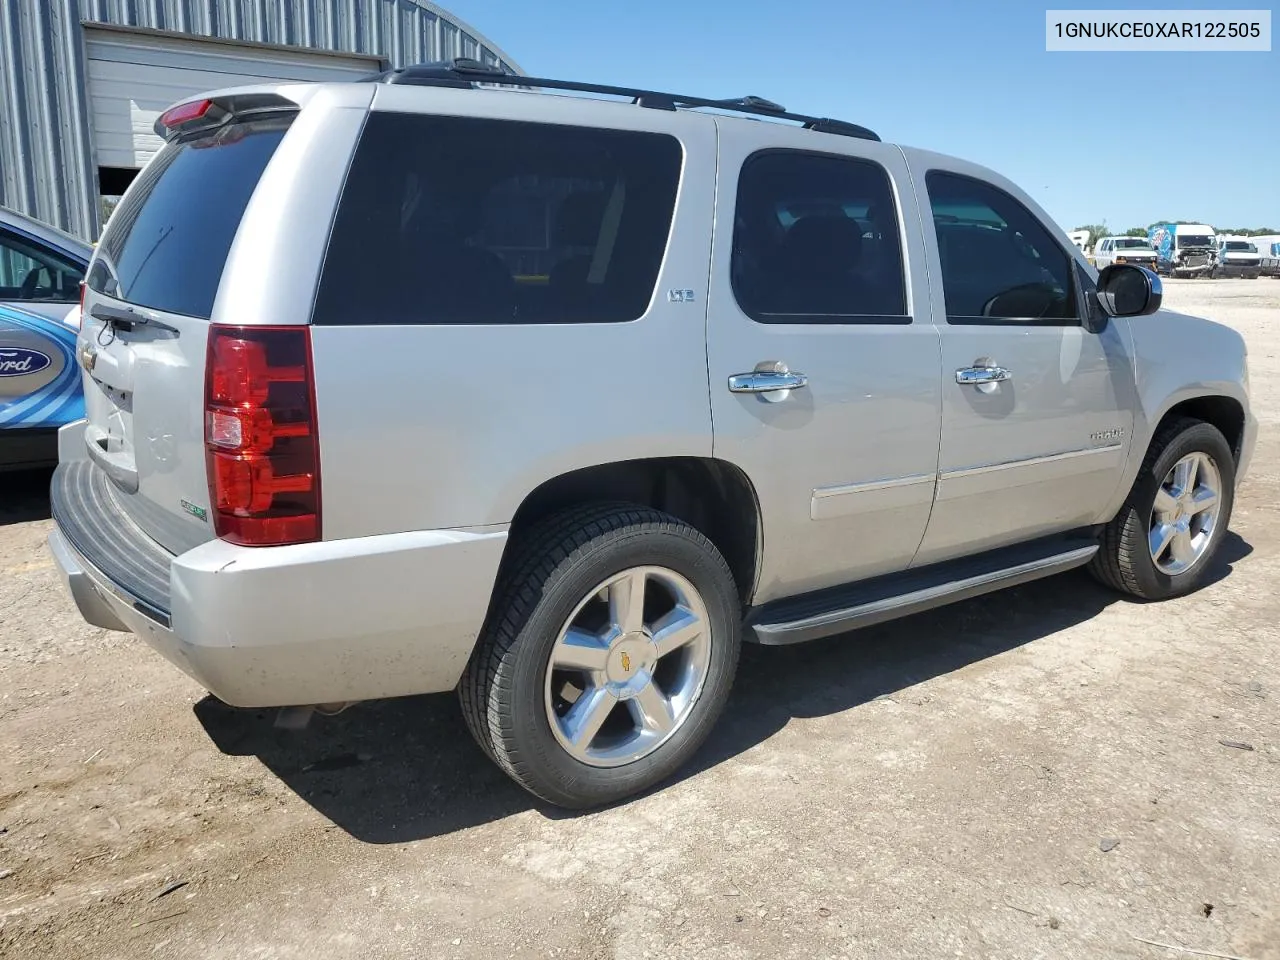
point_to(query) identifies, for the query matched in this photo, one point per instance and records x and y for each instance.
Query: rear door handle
(976, 376)
(772, 380)
(766, 382)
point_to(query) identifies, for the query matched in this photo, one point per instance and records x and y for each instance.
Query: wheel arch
(713, 496)
(1221, 411)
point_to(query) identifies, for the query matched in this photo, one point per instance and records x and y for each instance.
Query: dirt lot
(1040, 773)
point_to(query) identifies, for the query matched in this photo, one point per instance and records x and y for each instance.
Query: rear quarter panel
(437, 426)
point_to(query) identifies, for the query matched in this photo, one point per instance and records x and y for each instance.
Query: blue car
(40, 389)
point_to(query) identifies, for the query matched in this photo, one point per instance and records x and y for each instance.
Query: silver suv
(425, 383)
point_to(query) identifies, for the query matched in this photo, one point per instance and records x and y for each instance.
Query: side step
(836, 610)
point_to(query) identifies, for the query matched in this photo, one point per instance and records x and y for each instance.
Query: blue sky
(1192, 136)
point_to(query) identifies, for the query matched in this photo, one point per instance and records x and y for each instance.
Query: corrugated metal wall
(46, 157)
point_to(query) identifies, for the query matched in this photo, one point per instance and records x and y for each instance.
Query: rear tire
(582, 697)
(1163, 541)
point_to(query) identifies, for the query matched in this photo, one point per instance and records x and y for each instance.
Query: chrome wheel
(628, 666)
(1185, 514)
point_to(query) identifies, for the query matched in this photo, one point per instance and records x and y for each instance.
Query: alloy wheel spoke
(580, 650)
(1181, 549)
(1184, 475)
(652, 710)
(626, 602)
(675, 629)
(1204, 499)
(1166, 502)
(587, 716)
(1161, 536)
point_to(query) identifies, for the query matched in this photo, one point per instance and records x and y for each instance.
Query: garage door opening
(135, 75)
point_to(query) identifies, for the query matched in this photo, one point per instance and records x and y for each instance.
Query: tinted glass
(999, 263)
(815, 240)
(167, 242)
(1132, 243)
(463, 220)
(32, 272)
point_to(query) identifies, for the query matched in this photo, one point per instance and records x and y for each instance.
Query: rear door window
(167, 242)
(449, 220)
(816, 241)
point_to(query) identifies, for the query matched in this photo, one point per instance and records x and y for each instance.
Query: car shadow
(399, 770)
(24, 496)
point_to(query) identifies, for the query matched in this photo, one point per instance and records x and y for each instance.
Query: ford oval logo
(19, 361)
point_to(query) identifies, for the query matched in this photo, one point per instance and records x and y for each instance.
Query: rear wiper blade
(131, 318)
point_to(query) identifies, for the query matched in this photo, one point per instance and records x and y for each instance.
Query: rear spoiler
(211, 110)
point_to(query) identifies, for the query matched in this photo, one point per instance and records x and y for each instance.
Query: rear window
(167, 242)
(464, 220)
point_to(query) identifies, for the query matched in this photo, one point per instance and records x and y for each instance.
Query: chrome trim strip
(840, 489)
(1030, 461)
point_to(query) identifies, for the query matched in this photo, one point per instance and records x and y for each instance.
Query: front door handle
(772, 380)
(979, 375)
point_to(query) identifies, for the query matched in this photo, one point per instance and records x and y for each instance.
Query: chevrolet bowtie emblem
(88, 357)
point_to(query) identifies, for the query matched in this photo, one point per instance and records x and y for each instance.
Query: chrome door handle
(770, 379)
(976, 376)
(766, 382)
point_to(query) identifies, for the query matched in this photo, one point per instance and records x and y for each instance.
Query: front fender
(1178, 358)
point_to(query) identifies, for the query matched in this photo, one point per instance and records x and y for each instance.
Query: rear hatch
(149, 297)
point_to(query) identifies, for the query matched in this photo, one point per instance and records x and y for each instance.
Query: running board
(840, 609)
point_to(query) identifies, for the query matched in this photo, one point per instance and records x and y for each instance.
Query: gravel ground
(1039, 773)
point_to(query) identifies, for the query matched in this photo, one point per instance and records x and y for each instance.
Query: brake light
(261, 446)
(184, 113)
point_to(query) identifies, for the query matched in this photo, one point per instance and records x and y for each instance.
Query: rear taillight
(260, 435)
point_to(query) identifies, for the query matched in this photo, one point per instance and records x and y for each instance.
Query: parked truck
(1270, 264)
(1237, 257)
(1184, 249)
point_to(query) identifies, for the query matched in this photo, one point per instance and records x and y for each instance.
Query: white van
(1135, 250)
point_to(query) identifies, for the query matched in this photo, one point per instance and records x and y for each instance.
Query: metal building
(82, 81)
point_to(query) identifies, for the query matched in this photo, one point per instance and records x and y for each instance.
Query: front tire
(608, 654)
(1162, 542)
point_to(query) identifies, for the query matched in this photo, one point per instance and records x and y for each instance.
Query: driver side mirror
(1126, 290)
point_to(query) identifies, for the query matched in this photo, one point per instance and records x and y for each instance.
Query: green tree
(1136, 232)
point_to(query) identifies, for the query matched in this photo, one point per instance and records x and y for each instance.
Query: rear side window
(999, 262)
(465, 220)
(815, 240)
(167, 242)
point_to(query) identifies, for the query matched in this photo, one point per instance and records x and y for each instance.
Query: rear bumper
(327, 622)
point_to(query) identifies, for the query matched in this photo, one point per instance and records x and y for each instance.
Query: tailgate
(149, 295)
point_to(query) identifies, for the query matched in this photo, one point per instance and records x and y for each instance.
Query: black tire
(553, 569)
(1123, 560)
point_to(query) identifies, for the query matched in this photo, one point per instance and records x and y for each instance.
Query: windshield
(1132, 243)
(1194, 240)
(1240, 245)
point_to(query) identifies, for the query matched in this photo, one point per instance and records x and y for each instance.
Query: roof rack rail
(465, 72)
